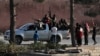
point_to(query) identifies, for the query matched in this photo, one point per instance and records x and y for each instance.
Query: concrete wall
(28, 10)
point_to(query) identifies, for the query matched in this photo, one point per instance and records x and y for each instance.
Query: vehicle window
(31, 27)
(43, 27)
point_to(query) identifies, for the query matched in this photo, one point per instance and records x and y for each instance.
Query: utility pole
(12, 21)
(72, 29)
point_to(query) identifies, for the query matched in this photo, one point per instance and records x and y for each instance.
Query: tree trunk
(12, 21)
(72, 29)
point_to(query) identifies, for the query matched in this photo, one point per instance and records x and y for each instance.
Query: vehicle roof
(26, 25)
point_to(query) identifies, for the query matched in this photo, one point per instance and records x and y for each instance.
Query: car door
(29, 32)
(43, 33)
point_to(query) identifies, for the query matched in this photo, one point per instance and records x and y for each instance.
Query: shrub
(2, 43)
(2, 46)
(65, 46)
(53, 45)
(12, 48)
(37, 46)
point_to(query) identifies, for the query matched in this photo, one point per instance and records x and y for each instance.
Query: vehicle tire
(55, 38)
(52, 38)
(58, 39)
(9, 41)
(18, 40)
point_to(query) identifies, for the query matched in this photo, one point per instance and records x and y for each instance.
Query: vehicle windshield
(23, 27)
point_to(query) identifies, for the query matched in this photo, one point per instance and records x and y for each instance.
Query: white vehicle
(26, 32)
